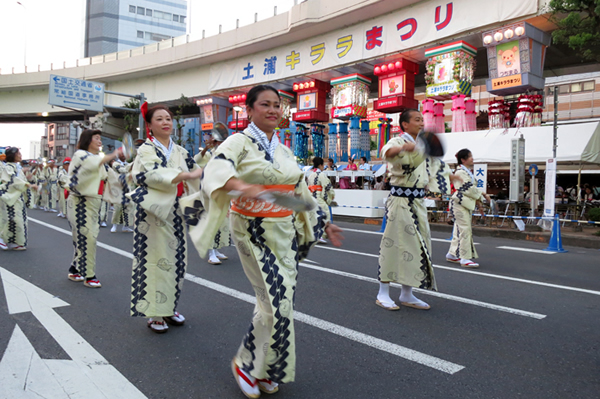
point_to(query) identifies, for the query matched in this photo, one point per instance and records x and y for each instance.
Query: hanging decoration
(449, 70)
(438, 112)
(498, 114)
(529, 111)
(349, 96)
(384, 134)
(310, 102)
(515, 55)
(355, 137)
(365, 140)
(286, 108)
(287, 138)
(470, 115)
(333, 142)
(396, 86)
(428, 115)
(458, 113)
(301, 145)
(343, 142)
(318, 139)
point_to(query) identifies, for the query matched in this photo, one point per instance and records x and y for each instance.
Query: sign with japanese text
(517, 169)
(419, 25)
(76, 93)
(480, 174)
(550, 187)
(506, 82)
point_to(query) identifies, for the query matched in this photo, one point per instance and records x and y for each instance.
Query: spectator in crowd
(380, 183)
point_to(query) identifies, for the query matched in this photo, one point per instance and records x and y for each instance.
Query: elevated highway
(166, 70)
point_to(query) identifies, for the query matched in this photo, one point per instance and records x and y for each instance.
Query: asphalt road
(524, 325)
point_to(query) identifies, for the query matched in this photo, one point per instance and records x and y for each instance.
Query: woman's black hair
(151, 111)
(11, 153)
(317, 161)
(255, 91)
(406, 115)
(364, 159)
(462, 154)
(86, 138)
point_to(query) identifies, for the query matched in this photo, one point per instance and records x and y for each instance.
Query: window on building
(575, 87)
(148, 12)
(140, 34)
(589, 86)
(182, 19)
(141, 10)
(148, 35)
(163, 15)
(132, 9)
(175, 18)
(563, 89)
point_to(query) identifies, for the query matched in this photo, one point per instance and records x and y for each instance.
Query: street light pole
(24, 36)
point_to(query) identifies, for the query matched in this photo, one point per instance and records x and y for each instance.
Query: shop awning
(577, 142)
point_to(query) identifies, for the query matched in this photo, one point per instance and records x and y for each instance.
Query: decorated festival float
(310, 103)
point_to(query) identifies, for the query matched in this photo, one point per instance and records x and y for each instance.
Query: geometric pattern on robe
(63, 179)
(52, 186)
(159, 238)
(13, 190)
(405, 249)
(83, 207)
(123, 206)
(326, 195)
(222, 237)
(269, 247)
(463, 204)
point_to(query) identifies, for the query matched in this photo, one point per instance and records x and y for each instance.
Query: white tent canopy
(576, 143)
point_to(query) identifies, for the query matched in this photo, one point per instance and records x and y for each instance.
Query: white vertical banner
(550, 187)
(480, 171)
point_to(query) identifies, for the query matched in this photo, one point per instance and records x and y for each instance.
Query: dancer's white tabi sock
(406, 295)
(384, 294)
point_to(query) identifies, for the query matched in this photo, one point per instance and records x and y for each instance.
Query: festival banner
(423, 24)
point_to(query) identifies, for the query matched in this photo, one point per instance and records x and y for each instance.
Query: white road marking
(378, 233)
(537, 251)
(24, 374)
(454, 269)
(401, 351)
(433, 293)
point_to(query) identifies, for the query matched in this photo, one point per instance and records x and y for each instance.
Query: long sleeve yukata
(13, 190)
(322, 190)
(405, 250)
(52, 186)
(270, 242)
(223, 236)
(63, 181)
(159, 238)
(120, 183)
(463, 204)
(83, 206)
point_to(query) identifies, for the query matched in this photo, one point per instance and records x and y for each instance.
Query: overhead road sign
(76, 93)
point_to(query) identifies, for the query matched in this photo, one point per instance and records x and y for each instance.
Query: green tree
(178, 116)
(131, 118)
(578, 24)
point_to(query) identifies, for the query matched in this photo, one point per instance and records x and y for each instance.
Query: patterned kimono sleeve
(467, 187)
(309, 225)
(404, 159)
(439, 176)
(63, 179)
(12, 186)
(206, 210)
(328, 193)
(151, 171)
(113, 192)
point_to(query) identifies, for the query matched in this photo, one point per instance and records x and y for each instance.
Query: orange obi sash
(263, 209)
(315, 188)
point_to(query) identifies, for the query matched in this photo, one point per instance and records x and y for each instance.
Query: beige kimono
(405, 250)
(270, 241)
(13, 189)
(159, 238)
(463, 204)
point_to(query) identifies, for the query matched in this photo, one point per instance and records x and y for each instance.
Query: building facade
(59, 141)
(117, 25)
